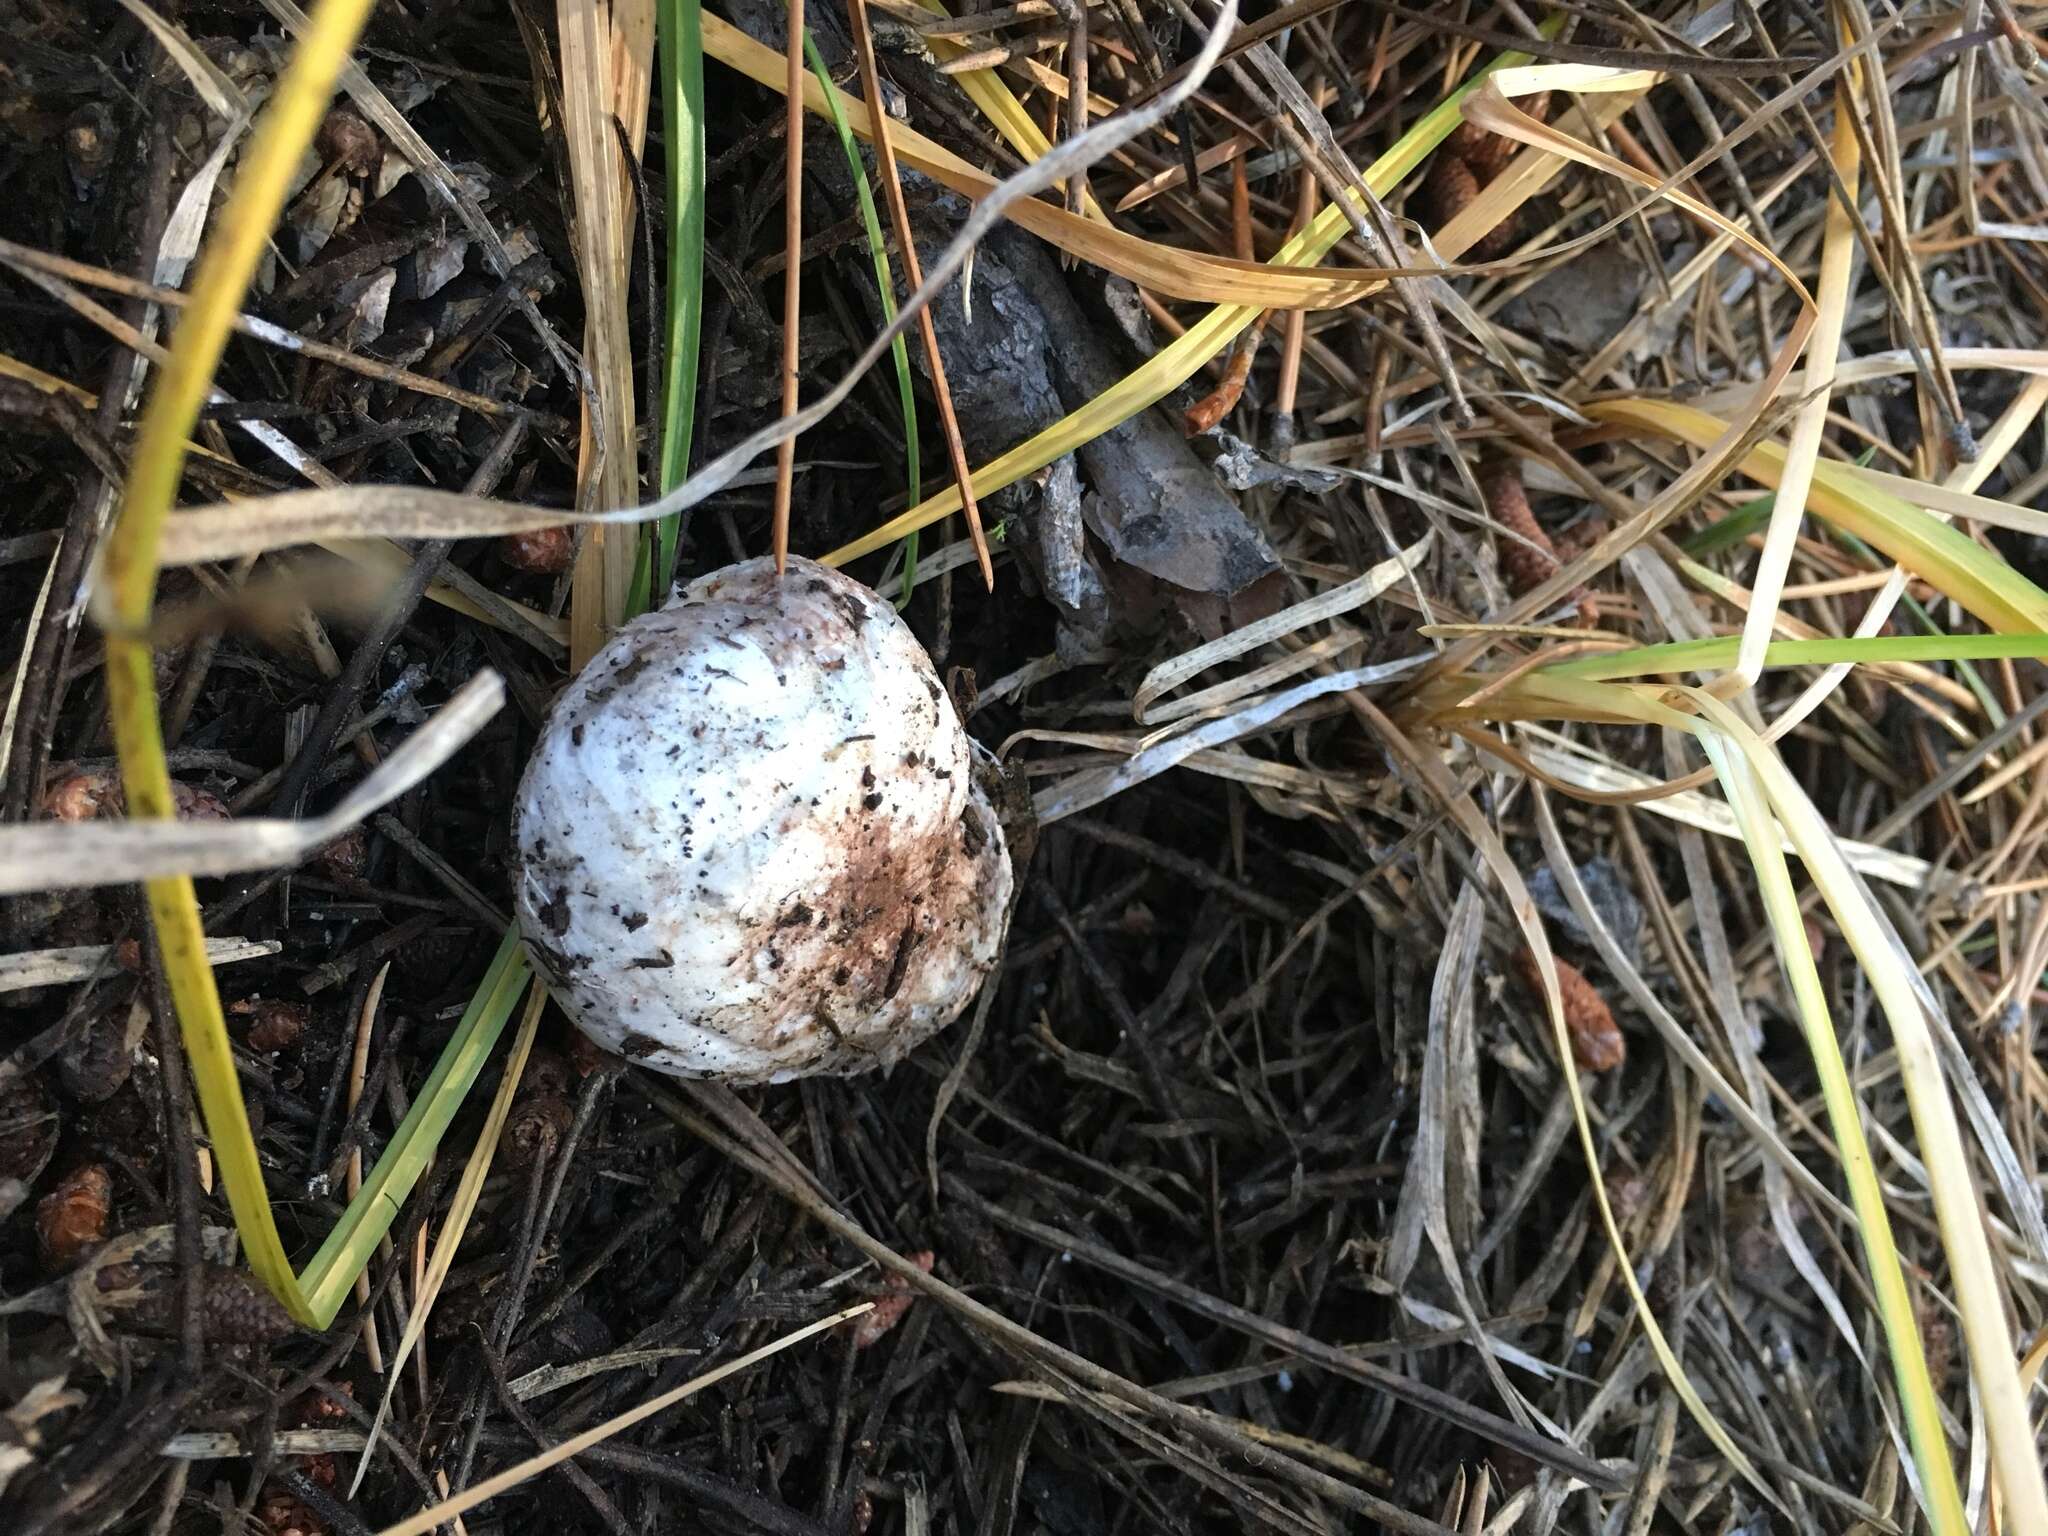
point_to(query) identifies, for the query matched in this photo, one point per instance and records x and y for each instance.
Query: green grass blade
(348, 1248)
(1992, 709)
(1726, 533)
(682, 104)
(878, 250)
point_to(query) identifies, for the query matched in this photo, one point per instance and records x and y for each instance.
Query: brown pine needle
(792, 276)
(1205, 413)
(1295, 326)
(913, 277)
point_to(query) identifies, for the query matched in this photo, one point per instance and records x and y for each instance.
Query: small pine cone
(539, 551)
(282, 1514)
(535, 1129)
(274, 1024)
(346, 857)
(1488, 153)
(546, 1072)
(72, 1218)
(585, 1054)
(870, 1327)
(195, 804)
(29, 1126)
(316, 1408)
(1450, 186)
(1499, 240)
(83, 796)
(238, 1310)
(1468, 142)
(1529, 559)
(346, 138)
(98, 1057)
(1597, 1042)
(93, 793)
(434, 957)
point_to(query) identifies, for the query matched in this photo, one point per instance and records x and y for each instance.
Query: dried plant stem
(792, 274)
(913, 277)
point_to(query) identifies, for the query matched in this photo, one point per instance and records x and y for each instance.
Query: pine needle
(793, 267)
(878, 253)
(906, 241)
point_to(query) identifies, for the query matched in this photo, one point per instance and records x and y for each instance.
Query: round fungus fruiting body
(750, 843)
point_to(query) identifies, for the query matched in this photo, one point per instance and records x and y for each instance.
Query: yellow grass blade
(128, 592)
(1973, 1271)
(1707, 655)
(1959, 567)
(1162, 269)
(1178, 362)
(1918, 1400)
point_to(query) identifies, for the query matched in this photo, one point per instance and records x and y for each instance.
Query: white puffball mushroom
(750, 841)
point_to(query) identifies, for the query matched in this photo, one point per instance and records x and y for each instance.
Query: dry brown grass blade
(906, 241)
(608, 460)
(1158, 268)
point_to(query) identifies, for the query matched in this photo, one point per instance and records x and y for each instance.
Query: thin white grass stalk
(1838, 248)
(2015, 1459)
(1936, 1483)
(533, 1466)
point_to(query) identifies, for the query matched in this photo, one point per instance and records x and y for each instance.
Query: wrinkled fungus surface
(749, 841)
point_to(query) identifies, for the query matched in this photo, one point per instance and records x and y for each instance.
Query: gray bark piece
(1153, 502)
(1023, 354)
